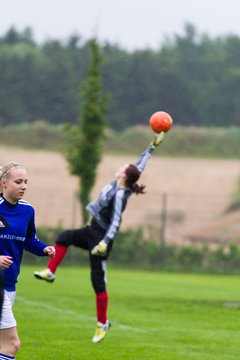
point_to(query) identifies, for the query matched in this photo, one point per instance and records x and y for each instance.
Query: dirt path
(197, 190)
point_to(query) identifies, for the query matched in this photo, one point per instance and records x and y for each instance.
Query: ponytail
(132, 176)
(138, 189)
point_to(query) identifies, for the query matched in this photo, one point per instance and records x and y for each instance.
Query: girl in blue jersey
(1, 292)
(17, 233)
(98, 236)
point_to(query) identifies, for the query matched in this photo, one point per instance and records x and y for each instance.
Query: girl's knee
(98, 284)
(16, 345)
(65, 238)
(10, 342)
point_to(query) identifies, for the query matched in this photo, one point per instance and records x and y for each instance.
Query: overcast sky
(132, 24)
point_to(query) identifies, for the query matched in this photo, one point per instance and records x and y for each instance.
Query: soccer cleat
(45, 274)
(101, 331)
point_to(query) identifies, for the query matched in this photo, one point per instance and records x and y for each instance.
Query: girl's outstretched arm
(145, 156)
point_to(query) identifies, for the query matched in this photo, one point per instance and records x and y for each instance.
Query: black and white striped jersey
(107, 209)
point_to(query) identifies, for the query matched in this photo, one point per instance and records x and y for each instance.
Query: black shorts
(86, 238)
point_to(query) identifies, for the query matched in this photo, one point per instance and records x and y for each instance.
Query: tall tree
(86, 137)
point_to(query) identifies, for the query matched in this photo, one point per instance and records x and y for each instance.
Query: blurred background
(158, 55)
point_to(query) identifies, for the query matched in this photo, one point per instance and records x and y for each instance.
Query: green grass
(154, 315)
(181, 141)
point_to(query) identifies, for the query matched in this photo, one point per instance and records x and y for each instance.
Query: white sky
(132, 24)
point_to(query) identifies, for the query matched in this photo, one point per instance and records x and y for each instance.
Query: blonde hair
(5, 170)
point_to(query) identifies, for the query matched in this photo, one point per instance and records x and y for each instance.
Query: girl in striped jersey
(17, 233)
(97, 237)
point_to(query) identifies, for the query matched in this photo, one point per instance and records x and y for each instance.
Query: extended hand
(100, 249)
(50, 251)
(158, 138)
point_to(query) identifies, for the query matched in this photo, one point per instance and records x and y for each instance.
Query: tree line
(192, 76)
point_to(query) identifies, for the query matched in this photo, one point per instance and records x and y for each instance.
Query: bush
(191, 141)
(36, 135)
(132, 249)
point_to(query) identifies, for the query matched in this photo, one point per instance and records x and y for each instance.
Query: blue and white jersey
(108, 207)
(17, 233)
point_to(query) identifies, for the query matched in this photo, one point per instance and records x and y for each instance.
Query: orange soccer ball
(160, 121)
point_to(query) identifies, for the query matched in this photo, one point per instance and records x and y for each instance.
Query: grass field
(154, 315)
